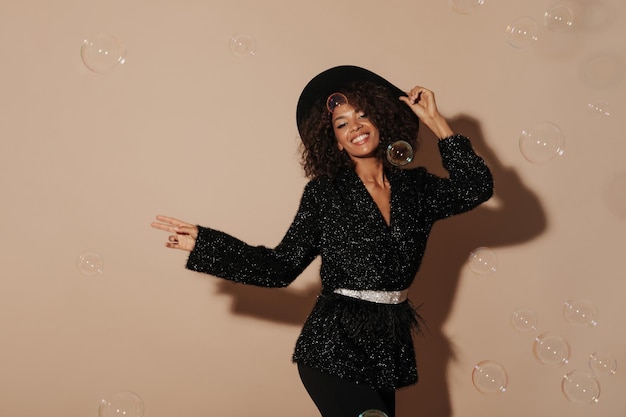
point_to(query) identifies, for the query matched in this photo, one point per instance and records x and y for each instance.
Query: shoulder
(316, 188)
(316, 184)
(331, 188)
(343, 176)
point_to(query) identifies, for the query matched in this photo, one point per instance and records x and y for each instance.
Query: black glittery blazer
(338, 220)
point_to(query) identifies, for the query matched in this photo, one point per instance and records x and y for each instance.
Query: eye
(362, 116)
(341, 125)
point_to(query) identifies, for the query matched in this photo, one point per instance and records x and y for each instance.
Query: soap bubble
(465, 6)
(242, 45)
(102, 52)
(400, 153)
(489, 377)
(483, 261)
(541, 143)
(602, 363)
(373, 413)
(581, 313)
(522, 32)
(558, 18)
(524, 319)
(580, 387)
(335, 100)
(90, 263)
(551, 349)
(121, 404)
(599, 108)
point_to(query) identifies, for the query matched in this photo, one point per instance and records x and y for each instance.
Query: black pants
(336, 397)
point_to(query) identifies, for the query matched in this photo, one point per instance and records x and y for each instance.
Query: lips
(362, 138)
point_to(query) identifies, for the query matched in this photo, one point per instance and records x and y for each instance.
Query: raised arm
(470, 182)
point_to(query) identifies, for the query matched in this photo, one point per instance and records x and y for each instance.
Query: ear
(340, 146)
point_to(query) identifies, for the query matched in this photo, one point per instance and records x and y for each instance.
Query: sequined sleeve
(469, 184)
(222, 255)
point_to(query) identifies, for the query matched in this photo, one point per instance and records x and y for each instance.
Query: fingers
(170, 224)
(185, 234)
(414, 95)
(419, 94)
(172, 221)
(172, 242)
(187, 230)
(181, 241)
(422, 101)
(162, 226)
(406, 100)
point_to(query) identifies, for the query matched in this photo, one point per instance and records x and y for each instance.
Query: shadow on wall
(518, 217)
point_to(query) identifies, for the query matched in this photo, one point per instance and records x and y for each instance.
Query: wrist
(439, 126)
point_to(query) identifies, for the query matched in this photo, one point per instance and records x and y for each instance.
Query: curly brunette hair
(393, 118)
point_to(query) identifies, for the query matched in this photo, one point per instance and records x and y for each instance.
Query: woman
(368, 220)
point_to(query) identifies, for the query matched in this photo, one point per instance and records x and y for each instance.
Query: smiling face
(355, 133)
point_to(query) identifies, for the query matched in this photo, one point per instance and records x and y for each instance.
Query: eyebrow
(345, 116)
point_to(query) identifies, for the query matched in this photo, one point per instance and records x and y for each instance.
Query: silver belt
(381, 297)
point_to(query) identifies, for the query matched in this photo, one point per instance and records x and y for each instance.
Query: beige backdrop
(186, 128)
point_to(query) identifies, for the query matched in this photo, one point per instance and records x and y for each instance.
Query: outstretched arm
(220, 254)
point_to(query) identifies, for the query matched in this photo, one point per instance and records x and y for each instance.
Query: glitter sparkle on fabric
(337, 219)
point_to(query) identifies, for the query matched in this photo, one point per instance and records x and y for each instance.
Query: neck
(370, 170)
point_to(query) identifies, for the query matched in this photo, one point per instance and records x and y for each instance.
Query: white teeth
(360, 137)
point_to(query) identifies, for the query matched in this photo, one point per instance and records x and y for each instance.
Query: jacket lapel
(358, 202)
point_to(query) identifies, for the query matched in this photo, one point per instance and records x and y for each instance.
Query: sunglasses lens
(335, 100)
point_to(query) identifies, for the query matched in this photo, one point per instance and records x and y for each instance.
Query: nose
(356, 126)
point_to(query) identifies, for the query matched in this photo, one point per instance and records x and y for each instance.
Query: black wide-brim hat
(333, 80)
